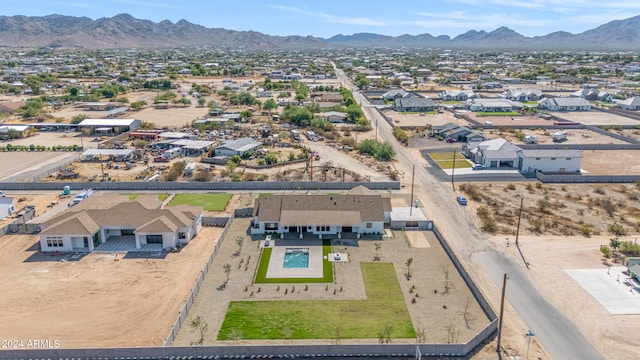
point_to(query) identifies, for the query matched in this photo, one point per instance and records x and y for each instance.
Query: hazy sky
(329, 17)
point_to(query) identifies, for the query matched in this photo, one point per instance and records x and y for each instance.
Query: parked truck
(295, 135)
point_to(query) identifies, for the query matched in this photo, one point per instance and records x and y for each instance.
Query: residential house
(236, 147)
(523, 95)
(549, 161)
(564, 104)
(495, 153)
(359, 212)
(592, 94)
(492, 105)
(141, 224)
(458, 95)
(413, 104)
(397, 94)
(7, 206)
(335, 117)
(630, 103)
(457, 132)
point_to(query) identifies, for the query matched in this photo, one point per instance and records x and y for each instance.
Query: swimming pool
(295, 258)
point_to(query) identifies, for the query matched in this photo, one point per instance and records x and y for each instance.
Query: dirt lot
(52, 138)
(549, 256)
(568, 210)
(99, 300)
(611, 162)
(40, 200)
(596, 118)
(24, 166)
(418, 120)
(527, 120)
(574, 136)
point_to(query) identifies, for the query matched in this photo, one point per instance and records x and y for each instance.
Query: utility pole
(453, 171)
(504, 288)
(413, 172)
(519, 217)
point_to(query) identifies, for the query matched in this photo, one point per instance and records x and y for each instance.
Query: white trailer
(530, 139)
(190, 169)
(172, 153)
(559, 136)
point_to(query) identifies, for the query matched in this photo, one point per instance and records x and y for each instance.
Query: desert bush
(511, 186)
(606, 252)
(617, 229)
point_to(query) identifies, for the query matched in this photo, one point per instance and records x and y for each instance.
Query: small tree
(239, 242)
(200, 324)
(202, 101)
(408, 264)
(227, 270)
(615, 244)
(377, 246)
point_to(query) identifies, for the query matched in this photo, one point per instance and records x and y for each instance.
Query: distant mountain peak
(126, 31)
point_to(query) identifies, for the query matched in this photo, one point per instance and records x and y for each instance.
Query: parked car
(461, 200)
(451, 140)
(478, 167)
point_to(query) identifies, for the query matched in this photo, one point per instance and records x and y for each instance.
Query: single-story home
(335, 117)
(359, 212)
(632, 103)
(457, 132)
(458, 95)
(592, 95)
(523, 95)
(493, 105)
(413, 104)
(564, 104)
(140, 224)
(396, 94)
(11, 107)
(549, 161)
(21, 130)
(494, 153)
(237, 147)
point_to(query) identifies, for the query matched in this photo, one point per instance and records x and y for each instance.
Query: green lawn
(460, 164)
(209, 202)
(443, 156)
(160, 197)
(327, 269)
(262, 195)
(319, 319)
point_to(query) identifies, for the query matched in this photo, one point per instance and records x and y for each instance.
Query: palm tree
(408, 264)
(378, 246)
(615, 244)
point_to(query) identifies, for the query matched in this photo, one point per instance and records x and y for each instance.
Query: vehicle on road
(478, 167)
(461, 200)
(451, 140)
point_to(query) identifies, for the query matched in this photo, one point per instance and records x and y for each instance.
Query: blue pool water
(296, 258)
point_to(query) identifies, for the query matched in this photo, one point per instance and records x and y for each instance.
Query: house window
(181, 235)
(568, 158)
(369, 225)
(127, 231)
(271, 226)
(553, 158)
(323, 228)
(54, 241)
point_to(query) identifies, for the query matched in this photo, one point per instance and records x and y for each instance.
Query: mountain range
(125, 31)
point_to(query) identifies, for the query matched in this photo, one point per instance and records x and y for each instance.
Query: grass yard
(460, 164)
(327, 269)
(442, 156)
(209, 202)
(319, 319)
(160, 197)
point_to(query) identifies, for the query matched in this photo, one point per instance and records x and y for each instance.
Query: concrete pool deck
(276, 263)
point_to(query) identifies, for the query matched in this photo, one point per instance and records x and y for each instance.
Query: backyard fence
(368, 351)
(182, 315)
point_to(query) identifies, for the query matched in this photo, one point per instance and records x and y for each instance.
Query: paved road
(558, 336)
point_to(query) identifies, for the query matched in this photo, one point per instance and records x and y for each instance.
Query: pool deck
(276, 269)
